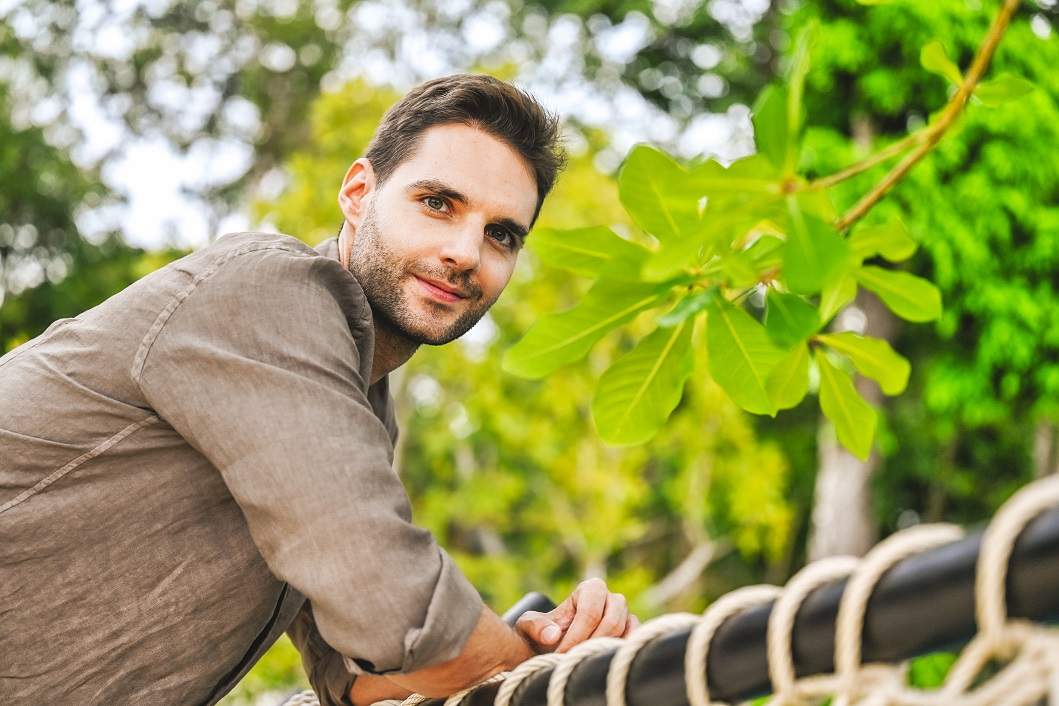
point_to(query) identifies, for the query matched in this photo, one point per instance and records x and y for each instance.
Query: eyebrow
(441, 189)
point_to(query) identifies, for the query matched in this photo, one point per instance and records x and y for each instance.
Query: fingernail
(551, 633)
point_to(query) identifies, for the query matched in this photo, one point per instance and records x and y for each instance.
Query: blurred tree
(201, 73)
(983, 206)
(41, 193)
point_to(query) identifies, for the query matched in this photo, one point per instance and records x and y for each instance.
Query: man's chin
(432, 336)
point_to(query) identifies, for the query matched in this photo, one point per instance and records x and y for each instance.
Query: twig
(868, 162)
(684, 575)
(935, 131)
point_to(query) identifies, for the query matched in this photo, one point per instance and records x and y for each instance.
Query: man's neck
(392, 350)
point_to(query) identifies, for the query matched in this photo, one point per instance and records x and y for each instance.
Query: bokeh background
(132, 132)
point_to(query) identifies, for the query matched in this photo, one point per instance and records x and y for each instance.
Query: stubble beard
(381, 274)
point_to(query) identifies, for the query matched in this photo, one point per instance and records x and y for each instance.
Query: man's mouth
(440, 290)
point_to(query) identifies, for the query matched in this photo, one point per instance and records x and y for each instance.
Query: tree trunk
(1045, 449)
(842, 521)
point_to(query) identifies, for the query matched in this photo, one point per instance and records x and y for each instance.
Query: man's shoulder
(261, 258)
(250, 274)
(255, 262)
(241, 243)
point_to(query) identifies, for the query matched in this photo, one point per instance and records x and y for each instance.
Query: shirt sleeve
(261, 365)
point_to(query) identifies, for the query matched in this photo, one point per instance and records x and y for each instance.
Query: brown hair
(480, 101)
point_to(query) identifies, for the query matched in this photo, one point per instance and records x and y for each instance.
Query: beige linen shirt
(197, 465)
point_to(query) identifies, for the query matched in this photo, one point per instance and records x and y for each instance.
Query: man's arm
(492, 647)
(258, 364)
(591, 611)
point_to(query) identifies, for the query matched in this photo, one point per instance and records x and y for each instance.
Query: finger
(615, 615)
(563, 614)
(590, 600)
(538, 628)
(630, 624)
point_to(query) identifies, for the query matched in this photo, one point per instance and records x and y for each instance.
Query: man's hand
(590, 611)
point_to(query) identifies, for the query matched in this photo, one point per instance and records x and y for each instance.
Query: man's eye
(435, 203)
(504, 237)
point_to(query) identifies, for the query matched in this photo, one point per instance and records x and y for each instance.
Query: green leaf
(727, 218)
(770, 125)
(796, 87)
(753, 175)
(687, 307)
(910, 297)
(1004, 88)
(891, 240)
(789, 319)
(741, 357)
(789, 380)
(934, 59)
(738, 269)
(658, 194)
(558, 339)
(873, 357)
(766, 253)
(835, 296)
(930, 670)
(584, 251)
(672, 257)
(636, 395)
(817, 203)
(815, 254)
(854, 419)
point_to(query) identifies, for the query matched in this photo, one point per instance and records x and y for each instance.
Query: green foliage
(589, 252)
(981, 208)
(929, 671)
(815, 254)
(658, 194)
(910, 297)
(789, 319)
(788, 381)
(562, 338)
(891, 240)
(722, 232)
(741, 357)
(641, 389)
(873, 357)
(934, 59)
(1002, 89)
(854, 419)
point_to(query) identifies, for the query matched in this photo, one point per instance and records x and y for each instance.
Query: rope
(702, 635)
(1029, 653)
(570, 661)
(780, 633)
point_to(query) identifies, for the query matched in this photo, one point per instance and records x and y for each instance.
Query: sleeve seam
(144, 349)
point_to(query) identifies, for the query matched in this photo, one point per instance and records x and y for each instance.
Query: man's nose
(461, 249)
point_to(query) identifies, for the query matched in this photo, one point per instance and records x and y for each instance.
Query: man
(204, 460)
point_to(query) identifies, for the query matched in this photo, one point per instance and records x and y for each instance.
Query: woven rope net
(1009, 662)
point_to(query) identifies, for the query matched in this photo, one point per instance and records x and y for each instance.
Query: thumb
(539, 628)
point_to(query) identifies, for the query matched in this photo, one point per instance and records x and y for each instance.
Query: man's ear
(358, 184)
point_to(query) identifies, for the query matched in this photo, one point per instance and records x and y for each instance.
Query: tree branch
(868, 162)
(686, 573)
(935, 131)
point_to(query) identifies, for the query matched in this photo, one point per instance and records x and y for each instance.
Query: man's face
(436, 243)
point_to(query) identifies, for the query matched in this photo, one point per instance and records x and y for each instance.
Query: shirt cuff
(453, 612)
